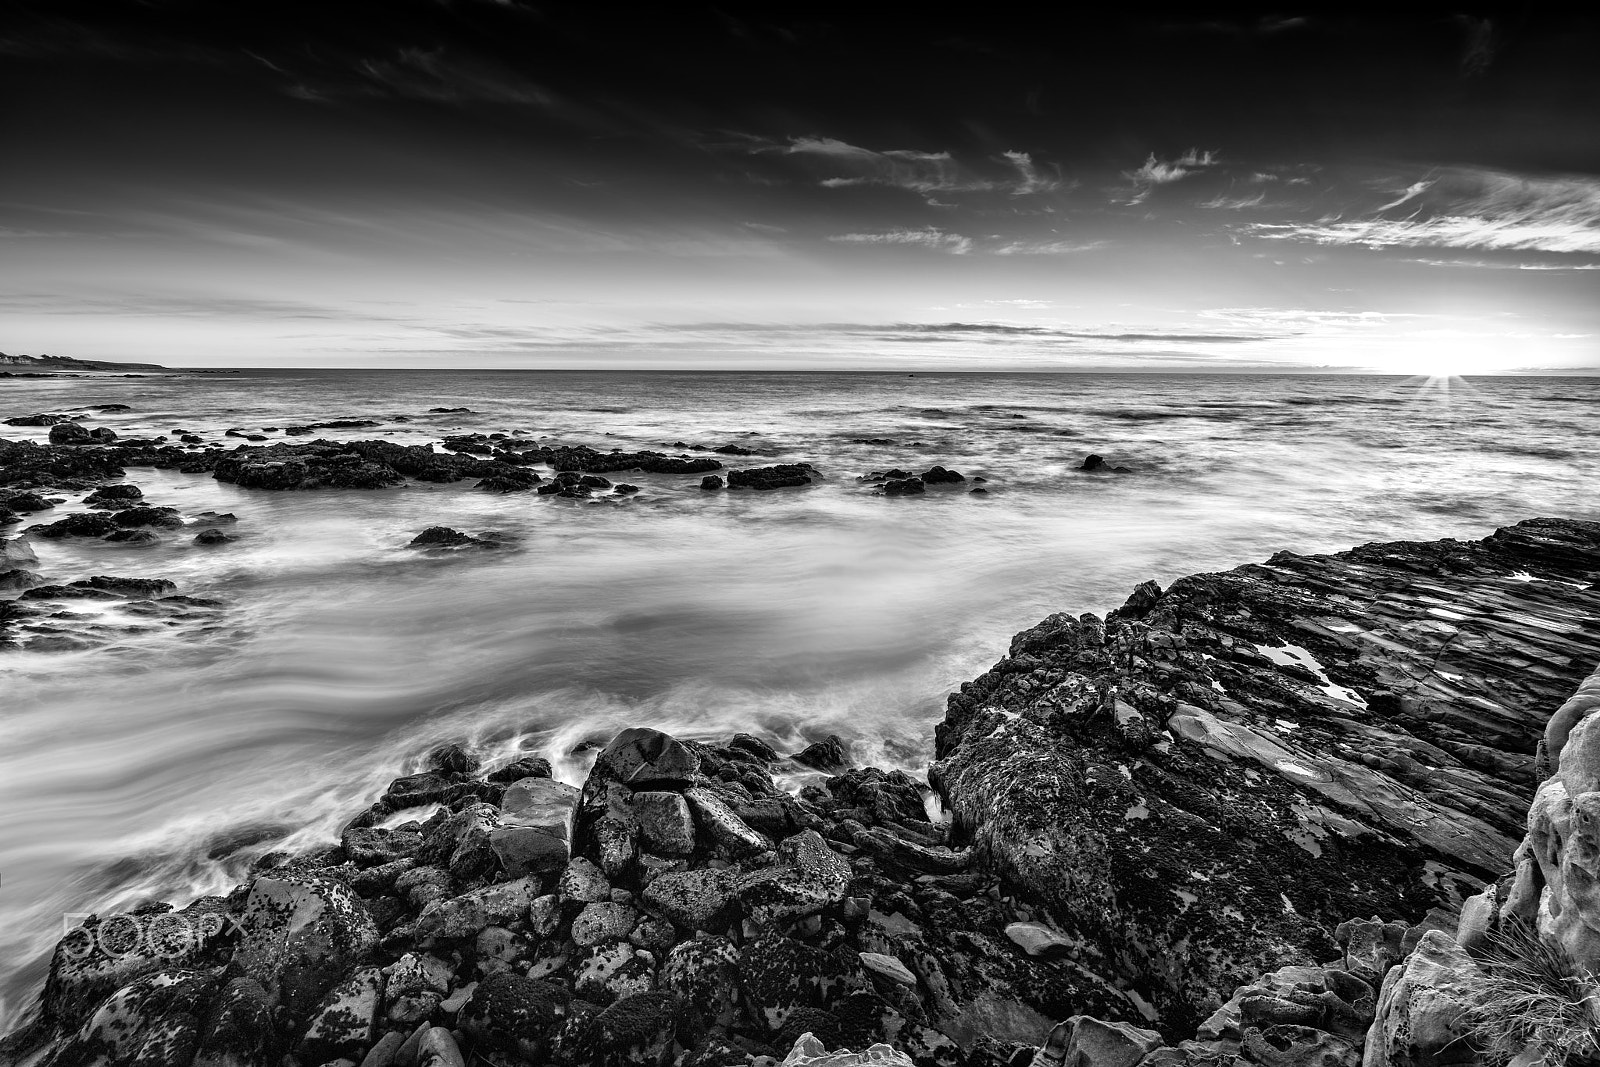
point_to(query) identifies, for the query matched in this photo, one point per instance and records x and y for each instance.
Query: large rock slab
(300, 932)
(1192, 784)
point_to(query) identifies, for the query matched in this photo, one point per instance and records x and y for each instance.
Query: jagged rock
(809, 876)
(583, 882)
(147, 516)
(444, 537)
(1307, 716)
(86, 525)
(1371, 946)
(711, 482)
(1422, 1008)
(17, 579)
(904, 487)
(809, 1052)
(825, 755)
(721, 823)
(343, 1024)
(299, 933)
(527, 767)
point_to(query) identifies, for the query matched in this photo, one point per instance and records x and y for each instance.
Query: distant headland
(9, 365)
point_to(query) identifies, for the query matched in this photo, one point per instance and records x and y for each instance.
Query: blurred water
(159, 766)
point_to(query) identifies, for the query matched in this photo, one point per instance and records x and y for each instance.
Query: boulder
(705, 973)
(665, 822)
(108, 952)
(534, 834)
(810, 1052)
(808, 877)
(342, 1026)
(694, 900)
(515, 1015)
(465, 915)
(778, 476)
(1422, 1012)
(299, 933)
(154, 1020)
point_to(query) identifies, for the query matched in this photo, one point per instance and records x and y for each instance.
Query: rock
(443, 537)
(612, 972)
(453, 759)
(438, 1049)
(638, 1029)
(722, 825)
(1037, 939)
(515, 1015)
(825, 755)
(809, 1052)
(239, 1027)
(705, 973)
(213, 537)
(780, 976)
(602, 923)
(665, 821)
(1093, 1043)
(1345, 746)
(26, 502)
(711, 482)
(904, 487)
(694, 900)
(114, 496)
(809, 876)
(882, 964)
(91, 525)
(16, 550)
(109, 952)
(641, 757)
(1422, 1008)
(38, 419)
(69, 433)
(299, 932)
(526, 767)
(18, 579)
(343, 1024)
(940, 476)
(779, 476)
(1098, 464)
(535, 831)
(128, 587)
(154, 1020)
(463, 916)
(583, 882)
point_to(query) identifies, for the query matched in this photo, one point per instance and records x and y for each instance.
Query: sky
(496, 183)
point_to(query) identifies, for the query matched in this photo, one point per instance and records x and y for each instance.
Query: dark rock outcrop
(1188, 785)
(779, 476)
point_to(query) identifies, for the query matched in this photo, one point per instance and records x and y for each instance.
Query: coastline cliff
(1234, 820)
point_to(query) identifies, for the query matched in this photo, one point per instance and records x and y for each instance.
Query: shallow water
(162, 764)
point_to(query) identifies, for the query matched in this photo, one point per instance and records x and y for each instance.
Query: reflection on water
(161, 765)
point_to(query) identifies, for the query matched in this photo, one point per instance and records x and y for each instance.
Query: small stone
(1037, 939)
(888, 967)
(599, 924)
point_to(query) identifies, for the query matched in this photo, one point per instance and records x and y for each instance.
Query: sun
(1451, 354)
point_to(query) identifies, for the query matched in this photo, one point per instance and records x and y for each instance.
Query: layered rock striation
(1203, 785)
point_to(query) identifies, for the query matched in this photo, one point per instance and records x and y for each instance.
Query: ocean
(161, 762)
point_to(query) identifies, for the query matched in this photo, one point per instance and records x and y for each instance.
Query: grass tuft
(1531, 995)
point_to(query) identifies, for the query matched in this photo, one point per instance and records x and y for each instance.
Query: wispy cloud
(1157, 172)
(931, 238)
(1223, 202)
(1013, 173)
(1468, 209)
(1048, 248)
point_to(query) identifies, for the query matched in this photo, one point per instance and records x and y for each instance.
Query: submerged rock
(779, 476)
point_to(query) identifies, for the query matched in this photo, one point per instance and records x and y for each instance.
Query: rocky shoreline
(1235, 820)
